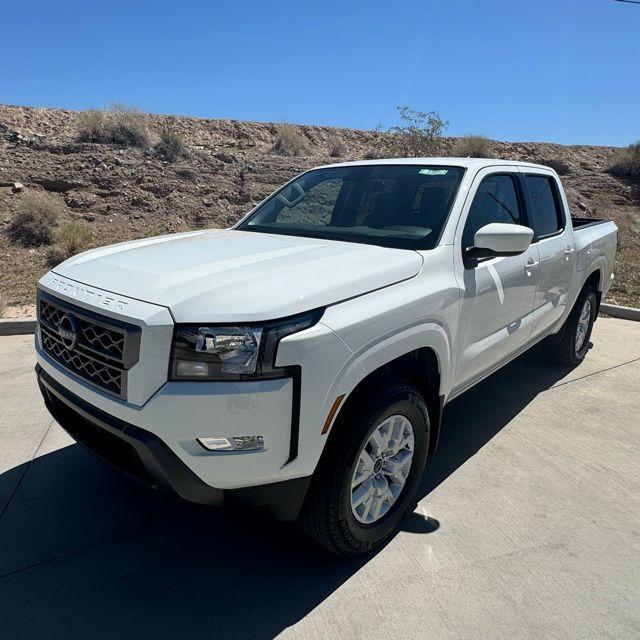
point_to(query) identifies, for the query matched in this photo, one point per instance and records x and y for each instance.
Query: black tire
(562, 348)
(327, 516)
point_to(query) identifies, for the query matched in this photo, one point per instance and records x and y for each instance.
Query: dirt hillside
(120, 193)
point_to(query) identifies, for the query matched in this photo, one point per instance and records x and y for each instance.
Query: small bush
(118, 124)
(625, 163)
(337, 148)
(171, 146)
(373, 154)
(55, 255)
(472, 147)
(92, 126)
(71, 238)
(36, 220)
(290, 142)
(419, 135)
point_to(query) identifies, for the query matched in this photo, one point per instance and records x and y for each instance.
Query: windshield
(401, 206)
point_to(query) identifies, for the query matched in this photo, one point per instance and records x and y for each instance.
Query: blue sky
(555, 70)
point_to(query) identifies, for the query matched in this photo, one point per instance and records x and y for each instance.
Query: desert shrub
(420, 134)
(118, 124)
(373, 154)
(71, 238)
(36, 219)
(337, 148)
(472, 146)
(290, 142)
(171, 146)
(625, 163)
(56, 255)
(91, 126)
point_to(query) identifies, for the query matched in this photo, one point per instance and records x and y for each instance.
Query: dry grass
(71, 238)
(472, 146)
(171, 147)
(337, 148)
(626, 285)
(119, 124)
(36, 219)
(625, 163)
(290, 142)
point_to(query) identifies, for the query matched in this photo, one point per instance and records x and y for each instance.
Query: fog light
(233, 443)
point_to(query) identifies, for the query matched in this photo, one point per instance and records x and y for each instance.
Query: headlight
(223, 352)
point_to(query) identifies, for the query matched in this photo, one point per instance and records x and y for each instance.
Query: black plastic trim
(163, 467)
(159, 467)
(296, 377)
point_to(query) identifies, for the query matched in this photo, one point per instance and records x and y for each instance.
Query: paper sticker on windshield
(434, 172)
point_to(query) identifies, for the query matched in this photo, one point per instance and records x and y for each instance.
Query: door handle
(530, 265)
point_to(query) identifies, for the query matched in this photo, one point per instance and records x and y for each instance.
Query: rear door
(497, 294)
(548, 212)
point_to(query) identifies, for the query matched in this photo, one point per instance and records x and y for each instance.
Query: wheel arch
(595, 279)
(421, 367)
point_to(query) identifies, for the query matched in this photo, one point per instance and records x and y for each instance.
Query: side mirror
(499, 239)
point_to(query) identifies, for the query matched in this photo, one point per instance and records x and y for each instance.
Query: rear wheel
(370, 471)
(572, 347)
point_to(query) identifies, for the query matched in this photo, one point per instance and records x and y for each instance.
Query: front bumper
(145, 457)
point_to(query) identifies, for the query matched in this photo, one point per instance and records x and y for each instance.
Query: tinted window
(402, 206)
(315, 208)
(495, 201)
(545, 208)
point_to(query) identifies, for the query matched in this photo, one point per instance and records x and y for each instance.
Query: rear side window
(546, 209)
(496, 200)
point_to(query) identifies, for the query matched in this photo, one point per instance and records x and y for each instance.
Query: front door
(497, 294)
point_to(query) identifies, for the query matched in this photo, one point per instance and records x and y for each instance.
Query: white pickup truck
(301, 360)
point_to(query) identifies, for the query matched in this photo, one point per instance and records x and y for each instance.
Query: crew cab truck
(300, 361)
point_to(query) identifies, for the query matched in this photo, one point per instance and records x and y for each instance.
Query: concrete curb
(626, 313)
(17, 326)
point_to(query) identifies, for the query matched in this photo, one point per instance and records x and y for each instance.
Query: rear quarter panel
(595, 250)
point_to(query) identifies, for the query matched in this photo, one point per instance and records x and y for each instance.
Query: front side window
(401, 206)
(496, 200)
(545, 205)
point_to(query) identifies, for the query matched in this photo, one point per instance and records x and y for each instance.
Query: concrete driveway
(528, 526)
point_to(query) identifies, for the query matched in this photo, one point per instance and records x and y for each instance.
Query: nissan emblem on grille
(99, 349)
(68, 331)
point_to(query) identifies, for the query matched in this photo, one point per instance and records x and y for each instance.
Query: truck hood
(231, 276)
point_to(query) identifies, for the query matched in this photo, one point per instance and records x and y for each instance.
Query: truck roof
(476, 163)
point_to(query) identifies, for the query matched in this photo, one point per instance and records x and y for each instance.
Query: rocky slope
(123, 193)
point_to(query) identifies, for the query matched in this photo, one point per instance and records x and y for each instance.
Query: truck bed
(581, 223)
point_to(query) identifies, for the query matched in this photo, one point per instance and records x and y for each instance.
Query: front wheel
(370, 471)
(574, 343)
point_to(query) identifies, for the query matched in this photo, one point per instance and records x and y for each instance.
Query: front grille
(96, 348)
